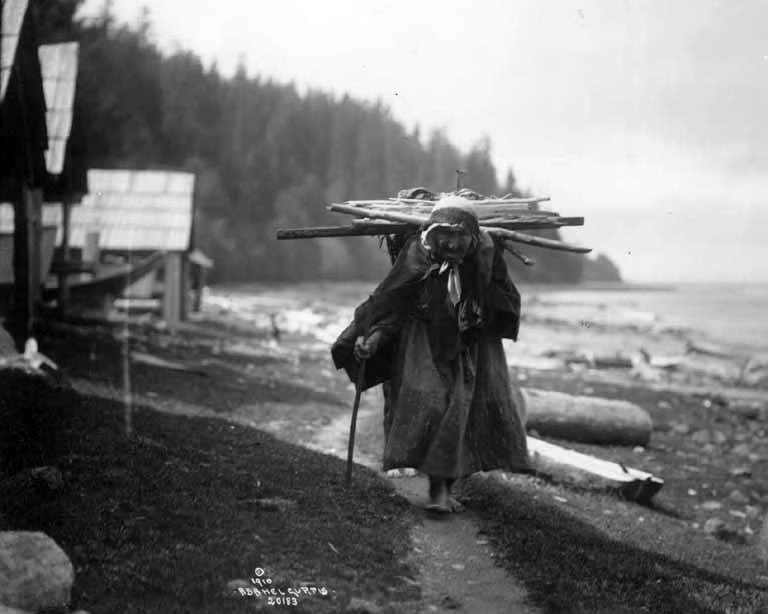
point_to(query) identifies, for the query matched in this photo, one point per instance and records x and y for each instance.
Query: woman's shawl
(395, 298)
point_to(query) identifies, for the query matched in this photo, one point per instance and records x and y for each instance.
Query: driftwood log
(586, 419)
(586, 471)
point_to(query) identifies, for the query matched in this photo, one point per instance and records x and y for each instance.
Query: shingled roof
(23, 132)
(131, 211)
(136, 210)
(10, 32)
(58, 64)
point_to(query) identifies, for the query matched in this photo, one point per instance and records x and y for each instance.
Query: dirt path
(456, 566)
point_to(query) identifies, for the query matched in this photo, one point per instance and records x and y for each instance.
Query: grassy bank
(578, 553)
(164, 521)
(581, 552)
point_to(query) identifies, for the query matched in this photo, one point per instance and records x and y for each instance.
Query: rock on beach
(35, 573)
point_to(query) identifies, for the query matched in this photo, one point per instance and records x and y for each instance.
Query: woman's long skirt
(454, 418)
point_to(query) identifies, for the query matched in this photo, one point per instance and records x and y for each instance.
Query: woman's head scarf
(451, 212)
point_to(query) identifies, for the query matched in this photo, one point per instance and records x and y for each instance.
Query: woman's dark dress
(450, 409)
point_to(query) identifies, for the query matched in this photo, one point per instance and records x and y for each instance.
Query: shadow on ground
(161, 522)
(569, 566)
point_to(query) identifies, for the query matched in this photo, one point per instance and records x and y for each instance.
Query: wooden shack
(65, 180)
(23, 142)
(65, 159)
(129, 216)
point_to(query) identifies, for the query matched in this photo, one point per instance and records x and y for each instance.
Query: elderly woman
(431, 332)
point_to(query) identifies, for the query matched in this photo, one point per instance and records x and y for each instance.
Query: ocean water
(731, 315)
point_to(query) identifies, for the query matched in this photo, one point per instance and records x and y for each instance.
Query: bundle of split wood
(504, 218)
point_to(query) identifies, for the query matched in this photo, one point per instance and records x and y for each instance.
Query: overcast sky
(647, 117)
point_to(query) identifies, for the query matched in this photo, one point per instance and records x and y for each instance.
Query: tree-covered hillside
(264, 155)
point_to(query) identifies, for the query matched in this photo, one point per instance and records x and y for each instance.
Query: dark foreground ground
(164, 521)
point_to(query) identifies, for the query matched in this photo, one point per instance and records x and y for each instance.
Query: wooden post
(21, 311)
(127, 391)
(34, 202)
(184, 289)
(27, 238)
(66, 209)
(63, 277)
(198, 274)
(91, 251)
(174, 289)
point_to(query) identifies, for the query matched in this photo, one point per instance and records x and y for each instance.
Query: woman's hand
(366, 347)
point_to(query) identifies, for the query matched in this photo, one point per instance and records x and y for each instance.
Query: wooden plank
(27, 241)
(91, 249)
(184, 290)
(503, 233)
(519, 237)
(70, 267)
(362, 227)
(485, 201)
(34, 207)
(588, 471)
(524, 222)
(354, 230)
(571, 221)
(503, 212)
(20, 322)
(391, 216)
(173, 305)
(63, 299)
(533, 222)
(480, 209)
(110, 280)
(369, 227)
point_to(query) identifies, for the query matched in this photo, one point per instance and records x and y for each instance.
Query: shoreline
(555, 335)
(607, 286)
(275, 376)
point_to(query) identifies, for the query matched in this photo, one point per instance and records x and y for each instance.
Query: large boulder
(35, 574)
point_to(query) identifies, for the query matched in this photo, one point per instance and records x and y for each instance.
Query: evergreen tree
(264, 156)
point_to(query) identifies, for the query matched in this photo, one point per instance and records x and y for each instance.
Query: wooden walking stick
(356, 405)
(359, 383)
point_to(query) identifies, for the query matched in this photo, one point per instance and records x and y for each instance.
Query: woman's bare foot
(438, 496)
(453, 503)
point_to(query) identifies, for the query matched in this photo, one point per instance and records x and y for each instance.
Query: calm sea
(728, 314)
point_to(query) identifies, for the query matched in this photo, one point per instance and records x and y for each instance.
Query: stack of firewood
(505, 218)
